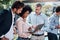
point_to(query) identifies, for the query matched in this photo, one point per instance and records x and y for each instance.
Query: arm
(19, 25)
(28, 20)
(1, 22)
(1, 17)
(46, 24)
(51, 23)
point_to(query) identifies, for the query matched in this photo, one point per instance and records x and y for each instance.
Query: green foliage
(5, 1)
(1, 6)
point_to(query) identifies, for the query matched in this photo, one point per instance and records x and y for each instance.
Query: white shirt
(34, 19)
(22, 27)
(9, 34)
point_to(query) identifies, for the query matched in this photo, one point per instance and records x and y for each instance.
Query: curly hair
(26, 8)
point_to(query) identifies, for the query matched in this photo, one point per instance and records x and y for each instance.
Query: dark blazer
(5, 21)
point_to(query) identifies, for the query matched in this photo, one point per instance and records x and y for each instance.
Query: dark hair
(38, 5)
(17, 5)
(26, 8)
(58, 9)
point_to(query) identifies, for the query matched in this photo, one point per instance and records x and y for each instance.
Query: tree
(4, 3)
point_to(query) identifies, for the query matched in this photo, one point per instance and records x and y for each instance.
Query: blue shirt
(34, 19)
(53, 22)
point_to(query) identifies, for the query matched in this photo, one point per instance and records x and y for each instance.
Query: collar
(23, 19)
(55, 14)
(13, 14)
(36, 14)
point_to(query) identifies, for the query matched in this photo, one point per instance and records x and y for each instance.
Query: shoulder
(32, 13)
(19, 20)
(52, 17)
(4, 11)
(44, 16)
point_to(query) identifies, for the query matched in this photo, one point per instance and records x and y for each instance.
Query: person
(7, 20)
(36, 18)
(54, 25)
(22, 27)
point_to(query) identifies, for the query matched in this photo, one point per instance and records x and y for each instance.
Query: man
(7, 20)
(54, 25)
(37, 18)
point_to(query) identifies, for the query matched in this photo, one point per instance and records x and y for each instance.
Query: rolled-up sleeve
(51, 23)
(46, 24)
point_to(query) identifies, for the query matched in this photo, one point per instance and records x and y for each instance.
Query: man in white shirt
(7, 20)
(37, 18)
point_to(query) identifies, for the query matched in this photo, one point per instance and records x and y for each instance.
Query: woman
(22, 26)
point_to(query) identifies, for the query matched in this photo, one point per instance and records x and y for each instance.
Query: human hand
(4, 38)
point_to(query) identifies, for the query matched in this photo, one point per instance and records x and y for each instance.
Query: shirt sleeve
(19, 25)
(51, 23)
(1, 16)
(46, 24)
(28, 20)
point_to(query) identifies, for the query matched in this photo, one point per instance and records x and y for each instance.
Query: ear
(14, 9)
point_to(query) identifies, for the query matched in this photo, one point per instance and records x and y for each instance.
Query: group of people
(29, 23)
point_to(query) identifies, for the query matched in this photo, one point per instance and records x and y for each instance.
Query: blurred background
(48, 6)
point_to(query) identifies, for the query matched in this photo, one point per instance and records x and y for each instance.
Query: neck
(12, 11)
(24, 19)
(38, 13)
